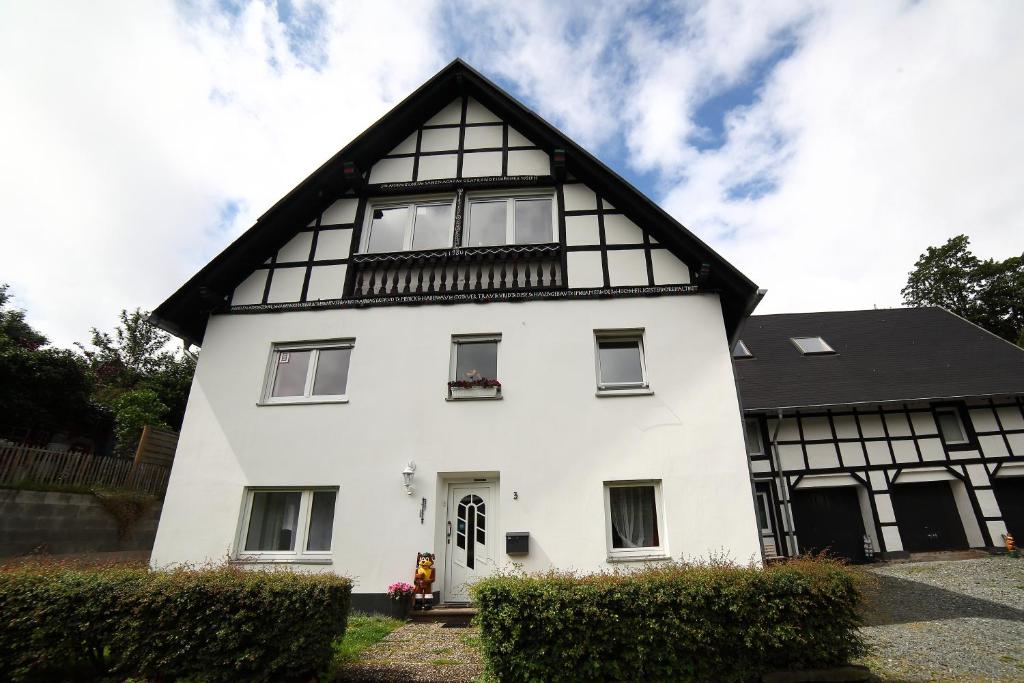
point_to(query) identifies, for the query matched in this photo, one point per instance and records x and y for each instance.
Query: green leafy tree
(43, 390)
(133, 410)
(13, 328)
(989, 293)
(137, 357)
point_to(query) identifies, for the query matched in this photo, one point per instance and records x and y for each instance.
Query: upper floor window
(620, 361)
(752, 436)
(494, 221)
(951, 426)
(474, 366)
(810, 346)
(405, 226)
(308, 372)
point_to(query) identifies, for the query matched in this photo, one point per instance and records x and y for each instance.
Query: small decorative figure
(424, 580)
(1011, 545)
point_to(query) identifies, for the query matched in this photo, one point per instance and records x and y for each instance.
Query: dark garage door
(927, 517)
(1010, 496)
(829, 519)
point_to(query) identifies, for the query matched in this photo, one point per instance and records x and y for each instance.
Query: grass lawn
(363, 631)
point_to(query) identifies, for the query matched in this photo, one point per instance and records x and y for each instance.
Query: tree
(135, 358)
(988, 293)
(13, 328)
(43, 390)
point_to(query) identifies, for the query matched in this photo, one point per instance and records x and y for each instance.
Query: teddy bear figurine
(424, 581)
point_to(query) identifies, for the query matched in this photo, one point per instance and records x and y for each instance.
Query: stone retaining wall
(61, 523)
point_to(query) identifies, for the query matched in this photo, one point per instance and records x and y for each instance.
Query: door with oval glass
(468, 554)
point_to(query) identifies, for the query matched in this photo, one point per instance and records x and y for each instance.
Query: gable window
(407, 226)
(621, 366)
(634, 520)
(287, 524)
(752, 436)
(812, 346)
(309, 373)
(473, 371)
(951, 426)
(740, 350)
(496, 221)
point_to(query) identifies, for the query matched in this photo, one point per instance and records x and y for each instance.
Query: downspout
(787, 509)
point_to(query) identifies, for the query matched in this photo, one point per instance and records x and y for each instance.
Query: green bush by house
(710, 622)
(59, 623)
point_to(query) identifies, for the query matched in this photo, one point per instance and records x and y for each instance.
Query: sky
(819, 147)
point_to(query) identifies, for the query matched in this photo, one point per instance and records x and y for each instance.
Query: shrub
(680, 622)
(216, 624)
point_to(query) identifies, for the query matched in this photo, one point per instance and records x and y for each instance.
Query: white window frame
(963, 429)
(828, 347)
(766, 498)
(760, 436)
(300, 554)
(461, 394)
(410, 204)
(659, 552)
(267, 399)
(510, 198)
(621, 388)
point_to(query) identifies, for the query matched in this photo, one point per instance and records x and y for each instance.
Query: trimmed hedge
(218, 624)
(679, 622)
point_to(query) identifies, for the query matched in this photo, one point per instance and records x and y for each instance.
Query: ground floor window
(288, 524)
(633, 516)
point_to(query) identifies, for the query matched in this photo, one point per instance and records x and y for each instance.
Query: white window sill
(303, 402)
(654, 557)
(639, 391)
(282, 560)
(474, 394)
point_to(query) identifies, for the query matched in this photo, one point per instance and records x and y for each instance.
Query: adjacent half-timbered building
(882, 431)
(463, 334)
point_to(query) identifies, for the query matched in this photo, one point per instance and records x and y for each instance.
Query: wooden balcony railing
(532, 267)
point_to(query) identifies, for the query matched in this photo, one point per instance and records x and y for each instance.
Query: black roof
(186, 311)
(881, 355)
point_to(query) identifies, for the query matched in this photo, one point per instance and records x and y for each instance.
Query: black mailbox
(517, 542)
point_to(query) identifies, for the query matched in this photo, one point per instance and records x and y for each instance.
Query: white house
(462, 334)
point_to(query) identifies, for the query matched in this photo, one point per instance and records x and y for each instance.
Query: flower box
(475, 388)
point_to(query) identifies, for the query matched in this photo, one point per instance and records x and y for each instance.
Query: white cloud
(129, 129)
(900, 129)
(126, 128)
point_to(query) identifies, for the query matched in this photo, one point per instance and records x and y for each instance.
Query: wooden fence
(25, 464)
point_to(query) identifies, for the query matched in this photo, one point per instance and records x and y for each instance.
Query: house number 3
(515, 495)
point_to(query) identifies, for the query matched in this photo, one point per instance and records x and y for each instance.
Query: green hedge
(678, 622)
(60, 623)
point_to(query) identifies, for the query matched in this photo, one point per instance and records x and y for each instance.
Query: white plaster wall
(550, 439)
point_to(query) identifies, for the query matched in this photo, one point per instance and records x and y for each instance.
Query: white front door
(468, 554)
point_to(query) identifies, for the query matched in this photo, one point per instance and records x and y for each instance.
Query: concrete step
(448, 615)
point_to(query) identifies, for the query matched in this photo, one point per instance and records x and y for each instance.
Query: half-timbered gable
(460, 194)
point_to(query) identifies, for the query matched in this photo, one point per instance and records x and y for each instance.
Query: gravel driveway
(959, 620)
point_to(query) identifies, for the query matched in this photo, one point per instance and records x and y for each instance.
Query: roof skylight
(811, 346)
(740, 350)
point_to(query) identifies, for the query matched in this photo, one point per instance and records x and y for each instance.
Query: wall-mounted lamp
(407, 475)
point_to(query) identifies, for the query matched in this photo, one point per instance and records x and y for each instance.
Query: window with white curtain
(287, 524)
(633, 512)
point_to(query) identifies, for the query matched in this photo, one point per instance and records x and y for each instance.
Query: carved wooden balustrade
(532, 267)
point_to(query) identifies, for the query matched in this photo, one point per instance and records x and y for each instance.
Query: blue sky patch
(712, 112)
